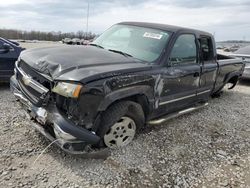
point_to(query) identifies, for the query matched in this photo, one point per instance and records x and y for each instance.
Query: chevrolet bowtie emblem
(26, 80)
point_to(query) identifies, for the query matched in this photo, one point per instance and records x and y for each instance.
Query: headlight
(67, 89)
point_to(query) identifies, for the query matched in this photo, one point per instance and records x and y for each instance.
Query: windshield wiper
(93, 44)
(120, 52)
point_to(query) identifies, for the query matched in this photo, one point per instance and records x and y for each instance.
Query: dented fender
(231, 75)
(126, 92)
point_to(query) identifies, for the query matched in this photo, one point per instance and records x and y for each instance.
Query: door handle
(196, 74)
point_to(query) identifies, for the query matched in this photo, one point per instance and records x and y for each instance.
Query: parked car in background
(9, 53)
(102, 94)
(85, 42)
(76, 41)
(244, 53)
(67, 41)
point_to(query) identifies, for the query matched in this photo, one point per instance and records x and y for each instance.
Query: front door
(182, 75)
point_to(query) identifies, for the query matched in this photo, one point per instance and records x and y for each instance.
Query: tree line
(48, 36)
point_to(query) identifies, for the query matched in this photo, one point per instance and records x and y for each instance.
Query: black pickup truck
(133, 75)
(9, 52)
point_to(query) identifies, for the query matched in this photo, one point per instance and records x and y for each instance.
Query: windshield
(139, 42)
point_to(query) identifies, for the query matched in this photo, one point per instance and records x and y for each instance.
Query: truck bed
(228, 66)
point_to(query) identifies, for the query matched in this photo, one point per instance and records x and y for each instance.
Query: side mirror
(6, 47)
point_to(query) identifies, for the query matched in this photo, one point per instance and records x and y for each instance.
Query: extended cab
(9, 52)
(133, 74)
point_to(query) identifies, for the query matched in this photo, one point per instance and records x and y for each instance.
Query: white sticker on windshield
(152, 35)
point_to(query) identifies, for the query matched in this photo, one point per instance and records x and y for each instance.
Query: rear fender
(233, 78)
(230, 76)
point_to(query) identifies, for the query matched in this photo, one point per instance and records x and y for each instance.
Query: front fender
(126, 92)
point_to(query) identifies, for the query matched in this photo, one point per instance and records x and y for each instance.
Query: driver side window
(184, 50)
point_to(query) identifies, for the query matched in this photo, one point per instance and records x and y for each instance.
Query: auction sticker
(152, 35)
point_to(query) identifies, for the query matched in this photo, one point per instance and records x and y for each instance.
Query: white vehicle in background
(245, 54)
(76, 41)
(85, 42)
(67, 41)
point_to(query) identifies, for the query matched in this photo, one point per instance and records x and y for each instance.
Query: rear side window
(206, 48)
(184, 50)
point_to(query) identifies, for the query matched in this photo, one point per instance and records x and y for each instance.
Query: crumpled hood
(79, 63)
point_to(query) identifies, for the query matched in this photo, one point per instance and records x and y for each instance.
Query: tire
(114, 117)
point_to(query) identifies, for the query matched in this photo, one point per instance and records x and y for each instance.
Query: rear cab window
(206, 45)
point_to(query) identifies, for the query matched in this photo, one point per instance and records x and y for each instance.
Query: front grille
(33, 85)
(34, 74)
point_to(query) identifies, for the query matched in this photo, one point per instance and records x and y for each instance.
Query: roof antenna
(87, 24)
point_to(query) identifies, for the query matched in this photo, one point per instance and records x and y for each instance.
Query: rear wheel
(120, 122)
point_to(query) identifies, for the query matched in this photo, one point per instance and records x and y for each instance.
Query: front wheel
(120, 122)
(121, 133)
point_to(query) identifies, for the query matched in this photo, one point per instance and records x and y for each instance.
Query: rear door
(181, 76)
(7, 62)
(209, 66)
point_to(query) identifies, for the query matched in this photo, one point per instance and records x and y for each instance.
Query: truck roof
(165, 27)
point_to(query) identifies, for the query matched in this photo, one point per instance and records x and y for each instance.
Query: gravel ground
(207, 148)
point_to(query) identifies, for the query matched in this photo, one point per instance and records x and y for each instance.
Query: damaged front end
(54, 109)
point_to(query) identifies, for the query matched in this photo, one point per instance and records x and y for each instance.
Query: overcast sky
(227, 19)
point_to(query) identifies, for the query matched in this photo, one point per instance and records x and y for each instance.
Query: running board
(176, 114)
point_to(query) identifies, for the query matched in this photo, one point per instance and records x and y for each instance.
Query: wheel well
(140, 99)
(234, 79)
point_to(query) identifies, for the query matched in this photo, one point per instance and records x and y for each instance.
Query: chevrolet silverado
(134, 74)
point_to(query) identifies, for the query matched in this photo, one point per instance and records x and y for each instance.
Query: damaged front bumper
(55, 127)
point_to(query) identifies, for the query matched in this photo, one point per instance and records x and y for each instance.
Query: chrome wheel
(121, 133)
